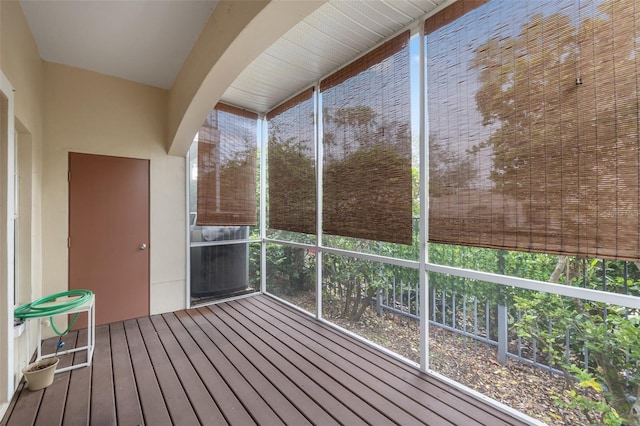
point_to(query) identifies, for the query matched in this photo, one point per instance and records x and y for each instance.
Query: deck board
(233, 380)
(180, 409)
(307, 380)
(263, 391)
(344, 366)
(76, 410)
(251, 347)
(247, 361)
(204, 406)
(124, 383)
(25, 404)
(154, 406)
(321, 372)
(103, 406)
(226, 401)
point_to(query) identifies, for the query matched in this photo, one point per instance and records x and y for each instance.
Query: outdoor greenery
(609, 334)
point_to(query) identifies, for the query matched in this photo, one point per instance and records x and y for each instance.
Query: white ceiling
(332, 36)
(147, 41)
(139, 40)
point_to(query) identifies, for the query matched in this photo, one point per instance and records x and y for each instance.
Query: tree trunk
(559, 269)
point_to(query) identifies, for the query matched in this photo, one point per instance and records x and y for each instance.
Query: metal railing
(479, 322)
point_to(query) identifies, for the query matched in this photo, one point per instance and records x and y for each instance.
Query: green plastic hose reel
(43, 307)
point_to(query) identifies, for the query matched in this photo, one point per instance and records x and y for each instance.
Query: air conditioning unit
(219, 270)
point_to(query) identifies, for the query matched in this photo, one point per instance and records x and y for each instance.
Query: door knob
(143, 246)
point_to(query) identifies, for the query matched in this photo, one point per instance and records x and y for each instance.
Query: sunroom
(453, 186)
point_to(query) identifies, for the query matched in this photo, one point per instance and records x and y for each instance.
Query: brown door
(109, 233)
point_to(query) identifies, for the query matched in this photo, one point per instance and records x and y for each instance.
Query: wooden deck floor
(248, 361)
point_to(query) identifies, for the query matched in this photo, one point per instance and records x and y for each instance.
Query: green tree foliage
(543, 123)
(367, 177)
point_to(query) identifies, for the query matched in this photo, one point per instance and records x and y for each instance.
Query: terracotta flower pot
(40, 374)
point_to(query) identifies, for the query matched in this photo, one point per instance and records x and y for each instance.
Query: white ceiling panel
(332, 36)
(334, 23)
(372, 15)
(290, 52)
(365, 16)
(411, 8)
(317, 43)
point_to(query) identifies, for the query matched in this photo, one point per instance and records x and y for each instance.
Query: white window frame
(16, 229)
(7, 263)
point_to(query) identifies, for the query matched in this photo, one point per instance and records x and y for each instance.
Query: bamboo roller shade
(367, 146)
(291, 162)
(533, 118)
(227, 144)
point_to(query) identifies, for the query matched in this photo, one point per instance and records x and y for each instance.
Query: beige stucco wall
(21, 64)
(93, 113)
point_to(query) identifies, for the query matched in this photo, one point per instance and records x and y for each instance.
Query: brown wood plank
(52, 407)
(402, 375)
(413, 387)
(270, 393)
(154, 409)
(12, 404)
(350, 404)
(180, 408)
(307, 378)
(251, 348)
(26, 408)
(261, 412)
(344, 365)
(351, 370)
(128, 409)
(76, 410)
(203, 404)
(103, 400)
(225, 398)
